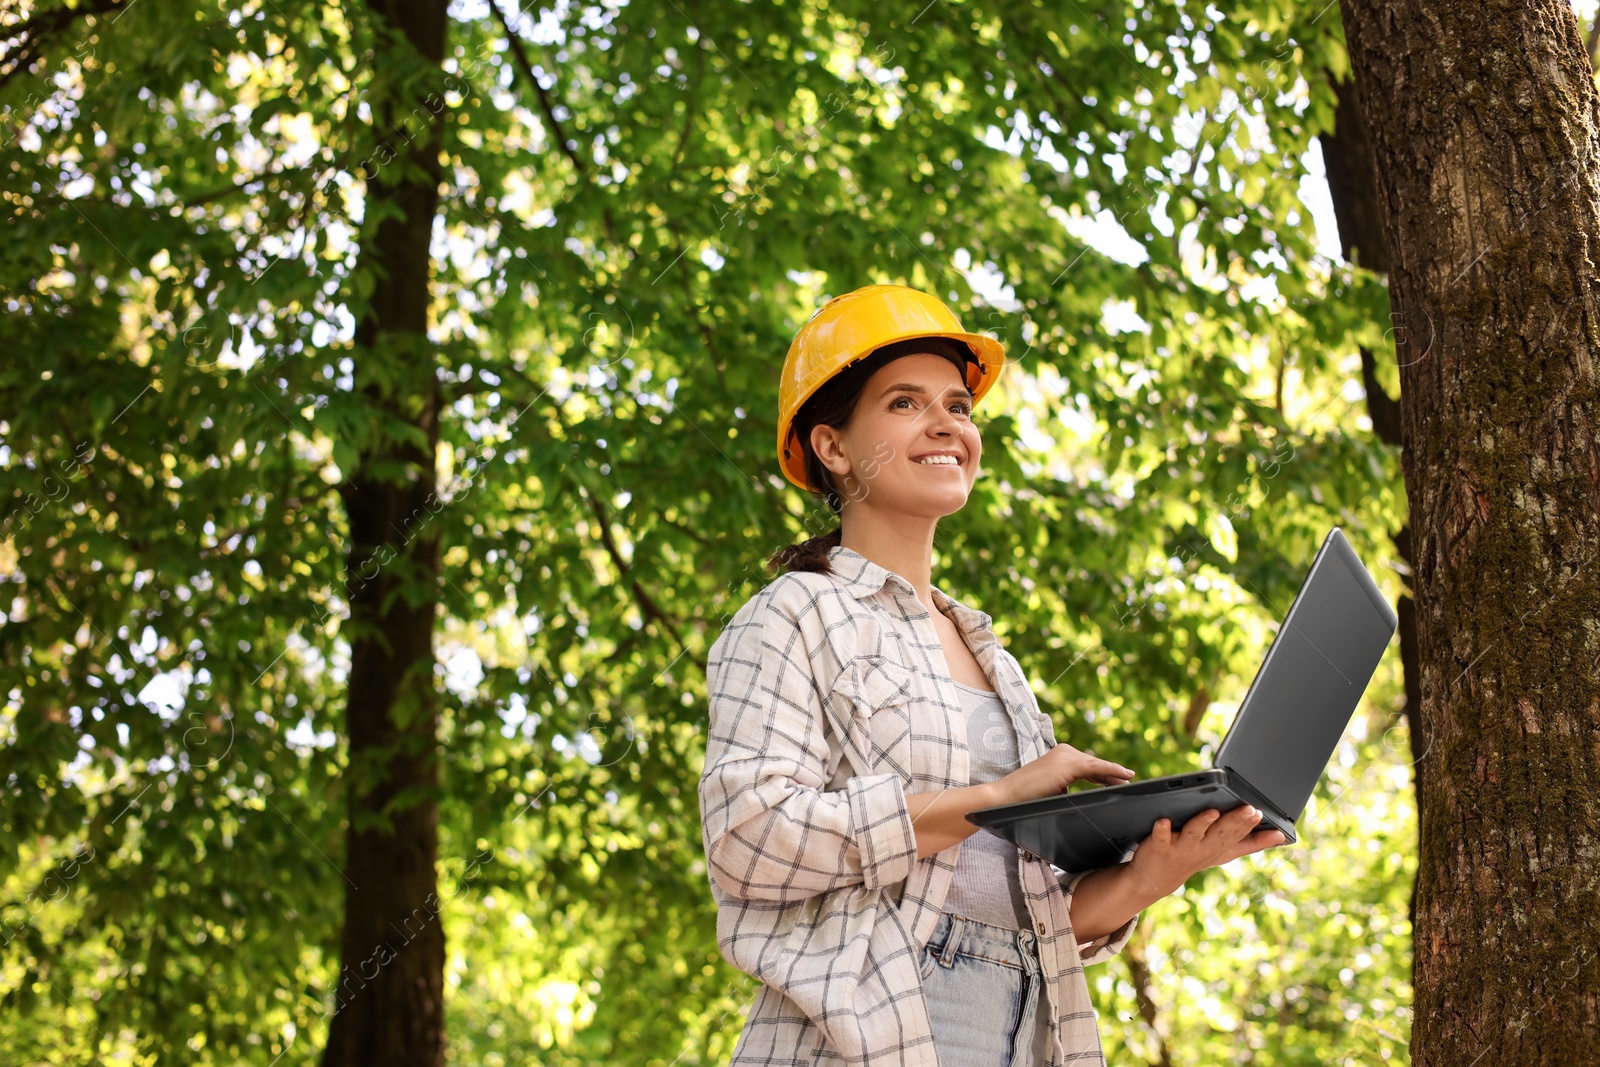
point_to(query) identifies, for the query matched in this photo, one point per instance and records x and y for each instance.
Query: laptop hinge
(1257, 797)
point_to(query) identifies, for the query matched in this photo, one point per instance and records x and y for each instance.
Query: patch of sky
(303, 736)
(463, 672)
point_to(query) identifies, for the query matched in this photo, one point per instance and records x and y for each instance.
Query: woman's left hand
(1208, 839)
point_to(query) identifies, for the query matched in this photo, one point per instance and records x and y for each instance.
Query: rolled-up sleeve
(1106, 945)
(771, 831)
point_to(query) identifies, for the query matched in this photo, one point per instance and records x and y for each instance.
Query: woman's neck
(907, 553)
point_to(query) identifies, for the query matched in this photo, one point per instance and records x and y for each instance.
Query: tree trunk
(1485, 127)
(390, 999)
(1353, 187)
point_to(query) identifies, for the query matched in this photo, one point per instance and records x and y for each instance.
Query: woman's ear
(828, 444)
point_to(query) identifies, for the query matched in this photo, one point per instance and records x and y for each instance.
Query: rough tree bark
(1485, 127)
(390, 1010)
(1353, 187)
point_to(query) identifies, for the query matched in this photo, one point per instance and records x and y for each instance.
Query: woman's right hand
(1053, 772)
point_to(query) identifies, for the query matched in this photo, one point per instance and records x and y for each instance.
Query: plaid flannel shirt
(829, 704)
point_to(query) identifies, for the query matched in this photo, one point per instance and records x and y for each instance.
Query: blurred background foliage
(641, 203)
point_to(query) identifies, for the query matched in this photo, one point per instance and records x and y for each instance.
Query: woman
(857, 713)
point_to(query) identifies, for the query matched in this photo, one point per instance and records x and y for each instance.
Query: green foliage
(187, 188)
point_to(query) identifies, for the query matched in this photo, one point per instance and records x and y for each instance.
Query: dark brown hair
(834, 404)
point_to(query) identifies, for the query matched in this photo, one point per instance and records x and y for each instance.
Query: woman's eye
(962, 407)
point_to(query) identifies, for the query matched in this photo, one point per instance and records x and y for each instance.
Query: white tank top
(988, 883)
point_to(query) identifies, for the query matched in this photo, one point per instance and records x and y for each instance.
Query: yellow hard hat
(851, 327)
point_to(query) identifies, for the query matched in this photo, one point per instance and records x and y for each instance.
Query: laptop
(1274, 752)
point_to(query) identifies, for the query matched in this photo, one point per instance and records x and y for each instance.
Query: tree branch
(688, 109)
(1140, 972)
(1383, 409)
(47, 22)
(647, 605)
(25, 37)
(520, 55)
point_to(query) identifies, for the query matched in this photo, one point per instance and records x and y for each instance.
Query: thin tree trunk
(1353, 182)
(1353, 187)
(1485, 127)
(1144, 996)
(390, 1010)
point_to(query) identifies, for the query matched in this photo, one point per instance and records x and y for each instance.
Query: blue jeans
(985, 995)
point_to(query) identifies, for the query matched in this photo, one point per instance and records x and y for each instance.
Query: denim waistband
(957, 934)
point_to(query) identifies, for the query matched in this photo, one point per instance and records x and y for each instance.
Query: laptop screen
(1311, 681)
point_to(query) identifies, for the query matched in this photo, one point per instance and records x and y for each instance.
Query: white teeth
(948, 461)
